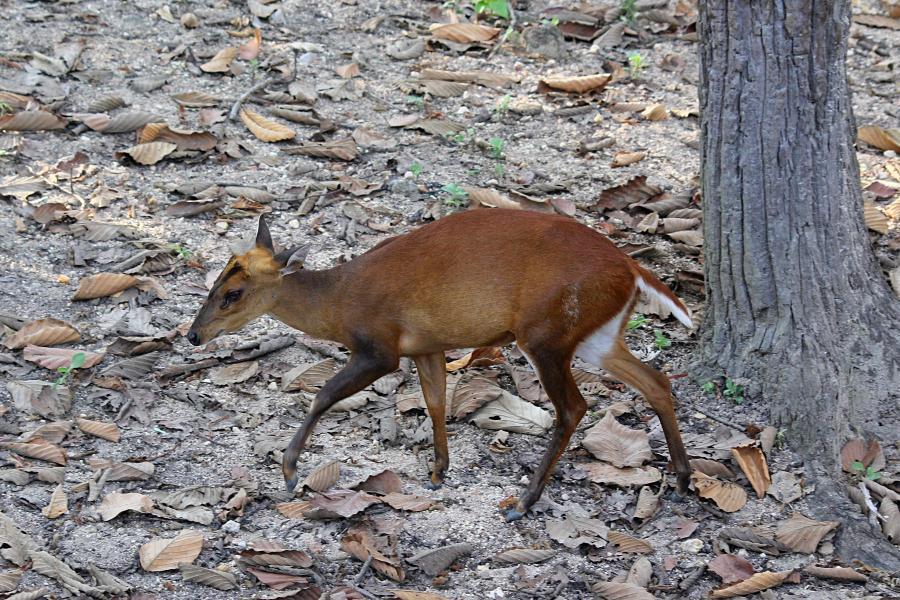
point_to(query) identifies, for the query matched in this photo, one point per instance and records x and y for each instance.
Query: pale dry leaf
(629, 544)
(616, 444)
(463, 33)
(575, 85)
(9, 580)
(346, 503)
(115, 503)
(31, 120)
(691, 238)
(103, 284)
(124, 471)
(640, 572)
(731, 568)
(220, 580)
(785, 487)
(266, 129)
(838, 573)
(165, 554)
(408, 502)
(150, 153)
(573, 531)
(485, 78)
(890, 525)
(37, 449)
(59, 504)
(221, 62)
(435, 560)
(488, 198)
(48, 565)
(802, 534)
(623, 159)
(883, 139)
(42, 332)
(613, 590)
(183, 139)
(751, 585)
(236, 373)
(511, 413)
(728, 496)
(363, 545)
(413, 595)
(753, 463)
(385, 482)
(54, 432)
(875, 219)
(196, 99)
(345, 149)
(107, 431)
(647, 503)
(323, 477)
(713, 468)
(655, 112)
(526, 556)
(624, 477)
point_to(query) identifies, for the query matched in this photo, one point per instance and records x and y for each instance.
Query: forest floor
(134, 447)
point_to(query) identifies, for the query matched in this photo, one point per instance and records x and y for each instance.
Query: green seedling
(464, 136)
(496, 147)
(498, 8)
(456, 196)
(554, 22)
(709, 388)
(5, 107)
(180, 250)
(499, 170)
(415, 100)
(636, 322)
(660, 340)
(635, 64)
(76, 362)
(734, 391)
(629, 11)
(502, 106)
(864, 471)
(415, 169)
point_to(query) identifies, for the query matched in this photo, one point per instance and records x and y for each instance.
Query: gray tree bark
(795, 300)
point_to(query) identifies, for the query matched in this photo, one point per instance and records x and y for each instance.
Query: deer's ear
(263, 237)
(291, 259)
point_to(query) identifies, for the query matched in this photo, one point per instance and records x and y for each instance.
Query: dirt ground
(197, 429)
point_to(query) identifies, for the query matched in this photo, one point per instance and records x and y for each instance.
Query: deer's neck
(309, 301)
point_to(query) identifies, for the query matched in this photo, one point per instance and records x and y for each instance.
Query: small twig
(362, 572)
(509, 29)
(233, 114)
(874, 515)
(363, 592)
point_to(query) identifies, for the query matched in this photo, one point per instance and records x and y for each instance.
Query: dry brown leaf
(59, 504)
(42, 332)
(614, 443)
(472, 391)
(488, 198)
(196, 99)
(385, 482)
(890, 525)
(148, 154)
(603, 473)
(31, 120)
(278, 581)
(731, 568)
(408, 502)
(116, 503)
(480, 357)
(266, 129)
(435, 560)
(54, 432)
(220, 580)
(647, 503)
(655, 112)
(310, 377)
(629, 544)
(802, 534)
(104, 284)
(183, 139)
(524, 556)
(634, 191)
(857, 450)
(713, 468)
(324, 476)
(347, 71)
(574, 85)
(362, 545)
(250, 50)
(221, 62)
(755, 583)
(463, 33)
(165, 554)
(344, 502)
(37, 449)
(614, 590)
(728, 496)
(881, 20)
(672, 224)
(294, 510)
(345, 149)
(691, 238)
(412, 595)
(838, 573)
(54, 358)
(124, 471)
(753, 463)
(883, 139)
(107, 431)
(623, 159)
(874, 218)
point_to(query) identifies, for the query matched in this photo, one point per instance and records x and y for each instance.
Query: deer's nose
(193, 338)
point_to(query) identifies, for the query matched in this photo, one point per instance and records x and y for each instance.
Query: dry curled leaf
(470, 392)
(874, 218)
(413, 595)
(464, 33)
(165, 554)
(435, 560)
(520, 556)
(220, 580)
(250, 50)
(890, 523)
(409, 502)
(103, 284)
(613, 590)
(713, 468)
(362, 545)
(511, 413)
(883, 139)
(37, 449)
(116, 503)
(221, 62)
(54, 358)
(647, 503)
(107, 431)
(728, 496)
(148, 154)
(802, 534)
(182, 138)
(488, 198)
(31, 120)
(324, 476)
(196, 99)
(344, 502)
(731, 568)
(604, 473)
(309, 377)
(629, 544)
(266, 129)
(42, 332)
(753, 463)
(838, 573)
(124, 471)
(575, 85)
(623, 159)
(59, 504)
(614, 443)
(384, 483)
(755, 583)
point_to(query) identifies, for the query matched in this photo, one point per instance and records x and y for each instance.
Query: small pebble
(221, 227)
(273, 387)
(231, 527)
(692, 546)
(294, 224)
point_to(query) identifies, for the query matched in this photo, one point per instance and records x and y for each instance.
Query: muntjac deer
(478, 278)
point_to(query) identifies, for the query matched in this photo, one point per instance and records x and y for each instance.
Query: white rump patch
(597, 345)
(676, 310)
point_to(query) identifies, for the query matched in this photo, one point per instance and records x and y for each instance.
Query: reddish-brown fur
(477, 278)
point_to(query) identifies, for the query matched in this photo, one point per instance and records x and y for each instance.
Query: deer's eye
(231, 297)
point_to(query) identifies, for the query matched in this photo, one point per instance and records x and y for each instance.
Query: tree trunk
(796, 303)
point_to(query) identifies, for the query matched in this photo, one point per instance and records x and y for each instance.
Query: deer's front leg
(432, 370)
